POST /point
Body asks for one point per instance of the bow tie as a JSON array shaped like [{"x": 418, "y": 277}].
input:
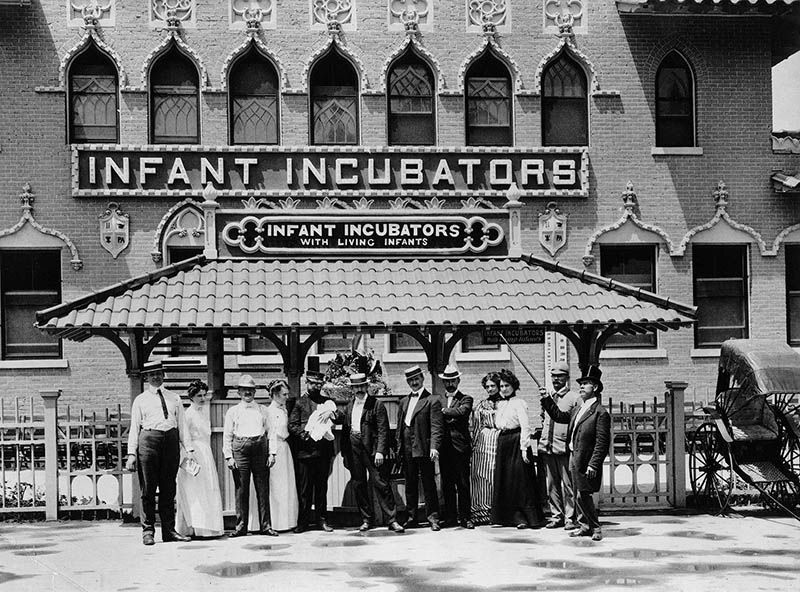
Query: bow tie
[{"x": 250, "y": 405}]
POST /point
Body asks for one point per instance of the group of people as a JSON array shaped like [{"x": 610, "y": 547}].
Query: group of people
[{"x": 486, "y": 455}]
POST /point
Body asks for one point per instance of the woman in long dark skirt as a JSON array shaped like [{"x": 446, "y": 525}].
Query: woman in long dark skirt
[{"x": 514, "y": 502}]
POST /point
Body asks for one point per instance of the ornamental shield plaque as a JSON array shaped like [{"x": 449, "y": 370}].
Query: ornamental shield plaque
[
  {"x": 552, "y": 229},
  {"x": 114, "y": 230}
]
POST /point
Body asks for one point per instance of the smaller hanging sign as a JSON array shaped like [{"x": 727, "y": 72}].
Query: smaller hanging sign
[{"x": 513, "y": 335}]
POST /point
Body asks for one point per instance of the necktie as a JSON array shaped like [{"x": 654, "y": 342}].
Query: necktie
[{"x": 163, "y": 403}]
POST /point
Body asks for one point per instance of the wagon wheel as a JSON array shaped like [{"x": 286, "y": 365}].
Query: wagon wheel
[
  {"x": 780, "y": 495},
  {"x": 789, "y": 444},
  {"x": 710, "y": 469}
]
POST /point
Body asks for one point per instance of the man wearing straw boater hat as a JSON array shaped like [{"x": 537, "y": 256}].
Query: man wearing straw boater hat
[
  {"x": 588, "y": 437},
  {"x": 154, "y": 451},
  {"x": 456, "y": 450},
  {"x": 419, "y": 437},
  {"x": 365, "y": 446},
  {"x": 314, "y": 457},
  {"x": 554, "y": 453},
  {"x": 246, "y": 450}
]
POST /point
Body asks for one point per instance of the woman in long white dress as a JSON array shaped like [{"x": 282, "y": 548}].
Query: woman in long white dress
[
  {"x": 283, "y": 504},
  {"x": 198, "y": 500}
]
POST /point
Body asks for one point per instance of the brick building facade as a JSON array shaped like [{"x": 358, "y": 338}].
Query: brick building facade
[{"x": 728, "y": 248}]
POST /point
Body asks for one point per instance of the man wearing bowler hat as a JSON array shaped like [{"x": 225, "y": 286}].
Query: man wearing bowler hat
[
  {"x": 313, "y": 457},
  {"x": 154, "y": 450},
  {"x": 365, "y": 446},
  {"x": 456, "y": 450},
  {"x": 588, "y": 438},
  {"x": 419, "y": 437},
  {"x": 246, "y": 450},
  {"x": 553, "y": 450}
]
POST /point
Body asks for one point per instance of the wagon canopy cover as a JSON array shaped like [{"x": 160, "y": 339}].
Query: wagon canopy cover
[{"x": 761, "y": 365}]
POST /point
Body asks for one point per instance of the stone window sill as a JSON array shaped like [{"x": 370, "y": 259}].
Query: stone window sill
[
  {"x": 706, "y": 352},
  {"x": 34, "y": 364},
  {"x": 676, "y": 151},
  {"x": 633, "y": 354}
]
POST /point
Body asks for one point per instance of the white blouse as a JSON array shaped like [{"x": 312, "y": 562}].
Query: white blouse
[{"x": 511, "y": 414}]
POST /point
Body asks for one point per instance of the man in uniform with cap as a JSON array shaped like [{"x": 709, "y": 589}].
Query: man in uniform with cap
[
  {"x": 456, "y": 450},
  {"x": 246, "y": 450},
  {"x": 553, "y": 450},
  {"x": 314, "y": 457},
  {"x": 588, "y": 438},
  {"x": 419, "y": 437},
  {"x": 365, "y": 446},
  {"x": 154, "y": 450}
]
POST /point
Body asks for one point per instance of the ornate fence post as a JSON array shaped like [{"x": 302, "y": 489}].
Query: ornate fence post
[
  {"x": 51, "y": 453},
  {"x": 675, "y": 396}
]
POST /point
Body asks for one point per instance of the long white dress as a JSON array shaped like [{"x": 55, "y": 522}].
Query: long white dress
[
  {"x": 283, "y": 504},
  {"x": 198, "y": 500}
]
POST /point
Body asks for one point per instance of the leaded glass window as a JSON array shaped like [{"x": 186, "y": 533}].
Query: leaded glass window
[
  {"x": 174, "y": 100},
  {"x": 93, "y": 102},
  {"x": 253, "y": 100},
  {"x": 411, "y": 115},
  {"x": 488, "y": 86},
  {"x": 334, "y": 101},
  {"x": 565, "y": 105},
  {"x": 674, "y": 102}
]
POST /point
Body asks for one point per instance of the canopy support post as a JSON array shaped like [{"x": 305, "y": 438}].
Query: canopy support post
[
  {"x": 215, "y": 341},
  {"x": 137, "y": 359}
]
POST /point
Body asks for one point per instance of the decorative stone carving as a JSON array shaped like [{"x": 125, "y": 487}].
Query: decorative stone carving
[
  {"x": 475, "y": 203},
  {"x": 565, "y": 16},
  {"x": 405, "y": 203},
  {"x": 332, "y": 203},
  {"x": 567, "y": 43},
  {"x": 629, "y": 216},
  {"x": 26, "y": 200},
  {"x": 90, "y": 35},
  {"x": 261, "y": 203},
  {"x": 435, "y": 203},
  {"x": 341, "y": 47},
  {"x": 341, "y": 13},
  {"x": 289, "y": 203},
  {"x": 488, "y": 12},
  {"x": 115, "y": 230},
  {"x": 363, "y": 203},
  {"x": 410, "y": 15},
  {"x": 416, "y": 45},
  {"x": 552, "y": 229},
  {"x": 91, "y": 13},
  {"x": 252, "y": 14},
  {"x": 158, "y": 237},
  {"x": 172, "y": 14}
]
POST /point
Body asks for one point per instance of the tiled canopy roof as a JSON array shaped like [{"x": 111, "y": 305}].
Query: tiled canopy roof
[
  {"x": 258, "y": 293},
  {"x": 629, "y": 5}
]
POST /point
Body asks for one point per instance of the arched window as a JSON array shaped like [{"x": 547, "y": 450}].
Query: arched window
[
  {"x": 174, "y": 100},
  {"x": 411, "y": 114},
  {"x": 93, "y": 98},
  {"x": 253, "y": 106},
  {"x": 488, "y": 95},
  {"x": 674, "y": 102},
  {"x": 334, "y": 101},
  {"x": 565, "y": 106}
]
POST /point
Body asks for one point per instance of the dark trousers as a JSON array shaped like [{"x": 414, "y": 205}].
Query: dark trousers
[
  {"x": 250, "y": 455},
  {"x": 414, "y": 467},
  {"x": 313, "y": 487},
  {"x": 368, "y": 479},
  {"x": 584, "y": 504},
  {"x": 158, "y": 454},
  {"x": 454, "y": 469}
]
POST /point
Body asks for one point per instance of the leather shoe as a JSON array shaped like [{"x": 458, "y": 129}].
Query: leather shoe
[
  {"x": 269, "y": 532},
  {"x": 411, "y": 523},
  {"x": 468, "y": 524},
  {"x": 147, "y": 539},
  {"x": 364, "y": 526},
  {"x": 300, "y": 528},
  {"x": 171, "y": 536},
  {"x": 435, "y": 527},
  {"x": 395, "y": 526},
  {"x": 570, "y": 526},
  {"x": 597, "y": 535},
  {"x": 522, "y": 526},
  {"x": 554, "y": 524},
  {"x": 581, "y": 532},
  {"x": 324, "y": 526},
  {"x": 237, "y": 533}
]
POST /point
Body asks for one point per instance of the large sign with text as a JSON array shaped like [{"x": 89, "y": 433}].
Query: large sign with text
[
  {"x": 351, "y": 235},
  {"x": 278, "y": 171}
]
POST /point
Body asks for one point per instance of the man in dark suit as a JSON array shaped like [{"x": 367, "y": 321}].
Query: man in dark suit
[
  {"x": 456, "y": 450},
  {"x": 588, "y": 437},
  {"x": 419, "y": 437},
  {"x": 314, "y": 457},
  {"x": 365, "y": 446}
]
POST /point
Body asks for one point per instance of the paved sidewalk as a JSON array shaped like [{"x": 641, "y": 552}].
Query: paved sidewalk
[{"x": 640, "y": 552}]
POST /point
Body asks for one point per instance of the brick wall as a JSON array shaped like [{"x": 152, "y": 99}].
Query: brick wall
[{"x": 731, "y": 57}]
